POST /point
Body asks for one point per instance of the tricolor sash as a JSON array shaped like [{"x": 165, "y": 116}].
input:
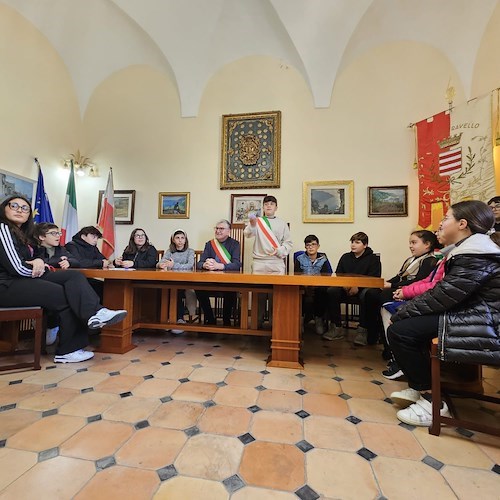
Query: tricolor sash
[
  {"x": 221, "y": 251},
  {"x": 269, "y": 238}
]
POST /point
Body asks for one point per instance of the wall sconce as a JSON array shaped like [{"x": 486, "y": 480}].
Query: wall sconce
[{"x": 83, "y": 165}]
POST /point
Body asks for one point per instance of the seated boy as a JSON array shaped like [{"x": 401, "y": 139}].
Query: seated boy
[
  {"x": 315, "y": 298},
  {"x": 84, "y": 248},
  {"x": 360, "y": 260},
  {"x": 48, "y": 235}
]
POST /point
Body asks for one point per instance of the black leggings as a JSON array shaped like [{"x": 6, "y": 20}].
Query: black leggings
[{"x": 66, "y": 293}]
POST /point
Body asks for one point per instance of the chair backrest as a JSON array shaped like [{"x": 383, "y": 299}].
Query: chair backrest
[
  {"x": 159, "y": 254},
  {"x": 300, "y": 252},
  {"x": 237, "y": 234}
]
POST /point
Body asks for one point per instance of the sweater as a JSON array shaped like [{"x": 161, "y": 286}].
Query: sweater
[
  {"x": 368, "y": 264},
  {"x": 183, "y": 260},
  {"x": 260, "y": 246}
]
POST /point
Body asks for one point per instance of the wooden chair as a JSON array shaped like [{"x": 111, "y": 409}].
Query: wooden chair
[
  {"x": 465, "y": 389},
  {"x": 8, "y": 346}
]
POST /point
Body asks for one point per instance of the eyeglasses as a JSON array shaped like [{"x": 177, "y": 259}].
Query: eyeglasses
[
  {"x": 54, "y": 233},
  {"x": 24, "y": 208},
  {"x": 495, "y": 206},
  {"x": 220, "y": 228},
  {"x": 311, "y": 245},
  {"x": 139, "y": 235}
]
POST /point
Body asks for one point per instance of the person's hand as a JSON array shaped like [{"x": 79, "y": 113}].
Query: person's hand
[
  {"x": 169, "y": 264},
  {"x": 162, "y": 265},
  {"x": 353, "y": 291},
  {"x": 387, "y": 284},
  {"x": 252, "y": 219},
  {"x": 64, "y": 263},
  {"x": 398, "y": 294},
  {"x": 210, "y": 265},
  {"x": 127, "y": 263},
  {"x": 107, "y": 264},
  {"x": 119, "y": 261},
  {"x": 38, "y": 267},
  {"x": 273, "y": 253}
]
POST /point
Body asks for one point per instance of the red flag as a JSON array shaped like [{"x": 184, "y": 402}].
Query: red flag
[{"x": 106, "y": 221}]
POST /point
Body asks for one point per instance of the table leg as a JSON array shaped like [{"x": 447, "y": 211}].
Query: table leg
[{"x": 285, "y": 340}]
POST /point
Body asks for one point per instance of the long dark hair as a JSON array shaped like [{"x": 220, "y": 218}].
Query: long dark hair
[
  {"x": 172, "y": 246},
  {"x": 132, "y": 247},
  {"x": 479, "y": 216},
  {"x": 23, "y": 234}
]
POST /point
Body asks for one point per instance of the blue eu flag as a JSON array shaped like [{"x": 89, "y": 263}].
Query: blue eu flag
[{"x": 42, "y": 212}]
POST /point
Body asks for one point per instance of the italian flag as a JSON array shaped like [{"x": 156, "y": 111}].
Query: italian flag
[
  {"x": 69, "y": 226},
  {"x": 106, "y": 222}
]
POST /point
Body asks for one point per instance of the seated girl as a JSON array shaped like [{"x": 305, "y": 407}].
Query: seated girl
[
  {"x": 179, "y": 257},
  {"x": 25, "y": 280},
  {"x": 462, "y": 311},
  {"x": 139, "y": 253}
]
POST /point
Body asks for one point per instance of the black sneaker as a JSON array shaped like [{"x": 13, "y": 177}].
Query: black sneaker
[{"x": 393, "y": 371}]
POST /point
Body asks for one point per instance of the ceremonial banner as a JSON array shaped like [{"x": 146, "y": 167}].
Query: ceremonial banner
[
  {"x": 471, "y": 131},
  {"x": 42, "y": 212},
  {"x": 106, "y": 222},
  {"x": 69, "y": 226}
]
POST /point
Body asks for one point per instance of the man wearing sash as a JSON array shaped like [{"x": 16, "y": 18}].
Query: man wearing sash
[
  {"x": 272, "y": 244},
  {"x": 220, "y": 254}
]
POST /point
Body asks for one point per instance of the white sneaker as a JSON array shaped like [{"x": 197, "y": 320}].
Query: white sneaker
[
  {"x": 406, "y": 397},
  {"x": 178, "y": 332},
  {"x": 333, "y": 333},
  {"x": 105, "y": 317},
  {"x": 74, "y": 357},
  {"x": 420, "y": 413},
  {"x": 51, "y": 335},
  {"x": 319, "y": 325}
]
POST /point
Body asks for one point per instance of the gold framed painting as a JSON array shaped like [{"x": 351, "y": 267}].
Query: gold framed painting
[
  {"x": 328, "y": 201},
  {"x": 251, "y": 150},
  {"x": 173, "y": 205}
]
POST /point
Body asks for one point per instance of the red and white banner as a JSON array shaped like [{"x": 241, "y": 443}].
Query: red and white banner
[
  {"x": 106, "y": 221},
  {"x": 450, "y": 162}
]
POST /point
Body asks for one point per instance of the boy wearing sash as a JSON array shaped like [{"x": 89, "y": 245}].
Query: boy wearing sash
[
  {"x": 220, "y": 254},
  {"x": 272, "y": 244}
]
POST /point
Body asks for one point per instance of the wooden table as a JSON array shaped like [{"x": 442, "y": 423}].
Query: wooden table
[{"x": 154, "y": 292}]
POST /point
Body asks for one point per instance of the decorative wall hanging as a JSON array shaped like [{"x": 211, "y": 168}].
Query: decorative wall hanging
[
  {"x": 328, "y": 201},
  {"x": 243, "y": 205},
  {"x": 12, "y": 184}
]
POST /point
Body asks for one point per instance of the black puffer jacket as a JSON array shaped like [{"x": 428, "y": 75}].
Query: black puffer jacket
[{"x": 468, "y": 301}]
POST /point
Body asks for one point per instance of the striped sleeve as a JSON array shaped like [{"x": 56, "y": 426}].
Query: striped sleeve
[{"x": 10, "y": 259}]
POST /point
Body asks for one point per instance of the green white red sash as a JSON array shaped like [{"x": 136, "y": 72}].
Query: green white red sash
[
  {"x": 268, "y": 237},
  {"x": 221, "y": 251}
]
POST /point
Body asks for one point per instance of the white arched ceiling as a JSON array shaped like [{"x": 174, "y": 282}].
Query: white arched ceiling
[{"x": 190, "y": 40}]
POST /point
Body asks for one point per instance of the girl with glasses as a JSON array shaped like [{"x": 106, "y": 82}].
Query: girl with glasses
[
  {"x": 53, "y": 254},
  {"x": 139, "y": 253},
  {"x": 25, "y": 280}
]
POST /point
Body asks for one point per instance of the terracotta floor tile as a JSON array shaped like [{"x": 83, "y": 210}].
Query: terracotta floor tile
[
  {"x": 325, "y": 404},
  {"x": 292, "y": 372},
  {"x": 184, "y": 488},
  {"x": 219, "y": 361},
  {"x": 83, "y": 380},
  {"x": 210, "y": 457},
  {"x": 156, "y": 388},
  {"x": 355, "y": 373},
  {"x": 390, "y": 441},
  {"x": 318, "y": 370},
  {"x": 273, "y": 465},
  {"x": 337, "y": 474},
  {"x": 44, "y": 377},
  {"x": 49, "y": 432},
  {"x": 59, "y": 477},
  {"x": 489, "y": 444},
  {"x": 151, "y": 448},
  {"x": 332, "y": 433},
  {"x": 280, "y": 382},
  {"x": 156, "y": 357},
  {"x": 252, "y": 493},
  {"x": 244, "y": 378},
  {"x": 321, "y": 385},
  {"x": 48, "y": 399},
  {"x": 115, "y": 364},
  {"x": 89, "y": 404},
  {"x": 453, "y": 449},
  {"x": 177, "y": 415},
  {"x": 15, "y": 393},
  {"x": 277, "y": 427},
  {"x": 371, "y": 410},
  {"x": 279, "y": 400},
  {"x": 97, "y": 440},
  {"x": 131, "y": 409},
  {"x": 207, "y": 374},
  {"x": 174, "y": 371},
  {"x": 119, "y": 384},
  {"x": 361, "y": 389},
  {"x": 250, "y": 365},
  {"x": 120, "y": 482},
  {"x": 140, "y": 369},
  {"x": 195, "y": 391},
  {"x": 13, "y": 464},
  {"x": 225, "y": 420},
  {"x": 15, "y": 420},
  {"x": 471, "y": 483},
  {"x": 232, "y": 395},
  {"x": 420, "y": 480}
]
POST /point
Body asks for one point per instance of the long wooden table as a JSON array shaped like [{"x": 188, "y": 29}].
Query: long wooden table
[{"x": 153, "y": 294}]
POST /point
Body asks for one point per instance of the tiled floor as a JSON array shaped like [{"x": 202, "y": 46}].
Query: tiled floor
[{"x": 193, "y": 417}]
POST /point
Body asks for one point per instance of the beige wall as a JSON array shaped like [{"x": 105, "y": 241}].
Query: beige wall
[{"x": 133, "y": 124}]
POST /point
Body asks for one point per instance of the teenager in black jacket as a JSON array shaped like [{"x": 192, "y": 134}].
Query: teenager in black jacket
[
  {"x": 462, "y": 310},
  {"x": 139, "y": 254}
]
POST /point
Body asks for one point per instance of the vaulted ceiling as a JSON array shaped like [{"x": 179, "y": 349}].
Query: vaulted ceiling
[{"x": 191, "y": 40}]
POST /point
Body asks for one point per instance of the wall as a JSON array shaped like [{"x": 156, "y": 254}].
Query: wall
[{"x": 133, "y": 124}]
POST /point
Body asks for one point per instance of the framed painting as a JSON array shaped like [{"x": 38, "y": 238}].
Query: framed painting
[
  {"x": 388, "y": 201},
  {"x": 251, "y": 150},
  {"x": 328, "y": 201},
  {"x": 124, "y": 205},
  {"x": 13, "y": 184},
  {"x": 243, "y": 205},
  {"x": 173, "y": 206}
]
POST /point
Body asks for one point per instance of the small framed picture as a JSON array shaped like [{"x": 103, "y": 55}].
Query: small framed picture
[
  {"x": 388, "y": 201},
  {"x": 124, "y": 205},
  {"x": 173, "y": 205},
  {"x": 328, "y": 201},
  {"x": 13, "y": 184},
  {"x": 244, "y": 205}
]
